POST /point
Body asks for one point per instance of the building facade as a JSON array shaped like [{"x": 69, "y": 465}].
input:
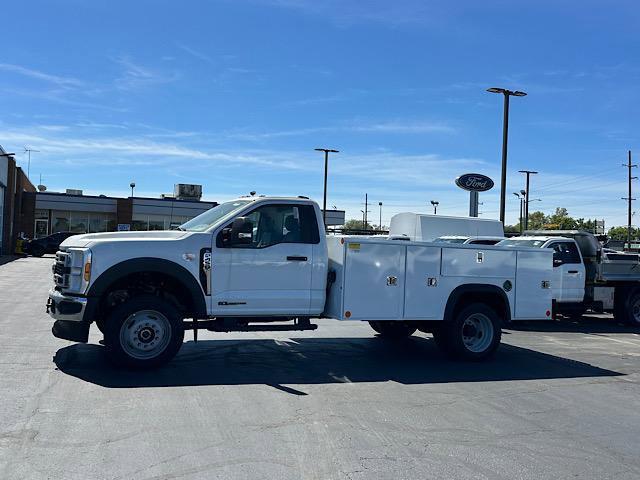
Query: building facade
[
  {"x": 14, "y": 186},
  {"x": 51, "y": 212}
]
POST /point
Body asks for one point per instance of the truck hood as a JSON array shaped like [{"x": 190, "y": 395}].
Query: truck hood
[{"x": 90, "y": 238}]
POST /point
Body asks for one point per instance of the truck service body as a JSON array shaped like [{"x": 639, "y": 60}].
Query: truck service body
[{"x": 265, "y": 263}]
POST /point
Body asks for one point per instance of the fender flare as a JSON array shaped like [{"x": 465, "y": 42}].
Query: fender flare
[
  {"x": 476, "y": 288},
  {"x": 150, "y": 264}
]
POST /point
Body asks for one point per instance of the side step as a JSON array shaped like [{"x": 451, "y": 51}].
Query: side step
[{"x": 238, "y": 325}]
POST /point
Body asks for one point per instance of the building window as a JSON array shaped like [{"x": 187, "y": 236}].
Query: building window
[{"x": 59, "y": 221}]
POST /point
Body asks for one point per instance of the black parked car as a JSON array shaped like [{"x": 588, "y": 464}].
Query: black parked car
[{"x": 49, "y": 244}]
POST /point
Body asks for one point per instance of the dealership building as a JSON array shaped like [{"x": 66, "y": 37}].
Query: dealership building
[
  {"x": 72, "y": 211},
  {"x": 14, "y": 186}
]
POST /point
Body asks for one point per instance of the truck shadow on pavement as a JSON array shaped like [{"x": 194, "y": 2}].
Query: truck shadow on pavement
[
  {"x": 586, "y": 324},
  {"x": 318, "y": 361}
]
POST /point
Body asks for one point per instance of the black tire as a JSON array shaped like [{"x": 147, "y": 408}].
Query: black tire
[
  {"x": 628, "y": 309},
  {"x": 36, "y": 251},
  {"x": 466, "y": 336},
  {"x": 393, "y": 329},
  {"x": 157, "y": 338}
]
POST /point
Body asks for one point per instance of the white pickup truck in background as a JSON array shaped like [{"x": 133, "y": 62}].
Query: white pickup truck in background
[
  {"x": 587, "y": 277},
  {"x": 265, "y": 263}
]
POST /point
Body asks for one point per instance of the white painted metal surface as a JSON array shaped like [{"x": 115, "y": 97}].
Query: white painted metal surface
[
  {"x": 532, "y": 296},
  {"x": 426, "y": 228},
  {"x": 426, "y": 275}
]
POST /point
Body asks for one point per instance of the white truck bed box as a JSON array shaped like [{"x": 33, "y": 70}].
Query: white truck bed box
[
  {"x": 380, "y": 279},
  {"x": 426, "y": 228}
]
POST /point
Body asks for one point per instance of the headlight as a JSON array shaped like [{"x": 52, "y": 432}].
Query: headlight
[{"x": 79, "y": 269}]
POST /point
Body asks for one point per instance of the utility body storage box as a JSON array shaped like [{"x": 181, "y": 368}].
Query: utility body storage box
[{"x": 382, "y": 279}]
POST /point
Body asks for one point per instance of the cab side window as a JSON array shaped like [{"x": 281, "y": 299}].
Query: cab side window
[
  {"x": 274, "y": 224},
  {"x": 566, "y": 252}
]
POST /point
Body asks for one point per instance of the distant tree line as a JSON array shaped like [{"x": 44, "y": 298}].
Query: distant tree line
[{"x": 560, "y": 220}]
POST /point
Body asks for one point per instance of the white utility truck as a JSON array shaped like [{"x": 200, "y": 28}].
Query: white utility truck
[
  {"x": 587, "y": 277},
  {"x": 265, "y": 264}
]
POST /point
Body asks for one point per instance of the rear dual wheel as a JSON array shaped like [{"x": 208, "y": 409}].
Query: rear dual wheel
[{"x": 473, "y": 334}]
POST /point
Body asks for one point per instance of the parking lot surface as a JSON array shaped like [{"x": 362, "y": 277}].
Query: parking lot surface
[{"x": 559, "y": 400}]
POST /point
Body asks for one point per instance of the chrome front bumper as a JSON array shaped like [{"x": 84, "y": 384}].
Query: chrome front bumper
[{"x": 65, "y": 307}]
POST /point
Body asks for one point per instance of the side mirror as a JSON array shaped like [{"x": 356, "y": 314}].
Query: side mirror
[
  {"x": 557, "y": 262},
  {"x": 240, "y": 233}
]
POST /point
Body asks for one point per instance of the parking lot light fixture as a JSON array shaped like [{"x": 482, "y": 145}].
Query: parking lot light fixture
[
  {"x": 326, "y": 167},
  {"x": 505, "y": 131}
]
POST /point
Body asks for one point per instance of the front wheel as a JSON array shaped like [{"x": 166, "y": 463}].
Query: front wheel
[
  {"x": 473, "y": 334},
  {"x": 144, "y": 332},
  {"x": 393, "y": 329}
]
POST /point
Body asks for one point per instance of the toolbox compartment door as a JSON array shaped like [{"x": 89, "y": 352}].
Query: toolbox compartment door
[{"x": 374, "y": 280}]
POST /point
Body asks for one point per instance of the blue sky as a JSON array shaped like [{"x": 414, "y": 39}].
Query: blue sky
[{"x": 235, "y": 95}]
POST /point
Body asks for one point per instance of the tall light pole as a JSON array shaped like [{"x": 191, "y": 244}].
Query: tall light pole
[
  {"x": 526, "y": 206},
  {"x": 519, "y": 198},
  {"x": 435, "y": 206},
  {"x": 326, "y": 168},
  {"x": 380, "y": 220},
  {"x": 505, "y": 132},
  {"x": 132, "y": 185}
]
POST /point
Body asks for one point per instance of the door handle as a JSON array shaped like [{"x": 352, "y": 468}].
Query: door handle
[
  {"x": 572, "y": 271},
  {"x": 294, "y": 258}
]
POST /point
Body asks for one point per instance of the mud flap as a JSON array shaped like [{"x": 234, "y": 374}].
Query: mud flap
[{"x": 74, "y": 331}]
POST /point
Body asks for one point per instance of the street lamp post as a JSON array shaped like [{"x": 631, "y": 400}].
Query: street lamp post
[
  {"x": 326, "y": 167},
  {"x": 380, "y": 220},
  {"x": 435, "y": 206},
  {"x": 505, "y": 131}
]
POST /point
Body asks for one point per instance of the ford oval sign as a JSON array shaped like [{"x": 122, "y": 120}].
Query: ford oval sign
[{"x": 474, "y": 182}]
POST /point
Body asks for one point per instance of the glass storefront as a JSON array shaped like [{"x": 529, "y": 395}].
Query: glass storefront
[
  {"x": 82, "y": 222},
  {"x": 157, "y": 222}
]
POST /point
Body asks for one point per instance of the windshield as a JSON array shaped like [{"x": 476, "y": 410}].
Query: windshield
[
  {"x": 450, "y": 240},
  {"x": 512, "y": 242},
  {"x": 205, "y": 220}
]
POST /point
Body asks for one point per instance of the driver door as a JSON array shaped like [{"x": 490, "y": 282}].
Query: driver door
[{"x": 269, "y": 273}]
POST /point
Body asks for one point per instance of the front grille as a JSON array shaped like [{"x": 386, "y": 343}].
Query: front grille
[{"x": 61, "y": 270}]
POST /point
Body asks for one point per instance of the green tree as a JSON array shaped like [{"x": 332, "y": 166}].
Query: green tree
[
  {"x": 537, "y": 221},
  {"x": 354, "y": 224},
  {"x": 561, "y": 220},
  {"x": 620, "y": 233}
]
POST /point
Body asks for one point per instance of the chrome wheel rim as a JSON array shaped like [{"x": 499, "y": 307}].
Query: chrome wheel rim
[
  {"x": 477, "y": 332},
  {"x": 145, "y": 334}
]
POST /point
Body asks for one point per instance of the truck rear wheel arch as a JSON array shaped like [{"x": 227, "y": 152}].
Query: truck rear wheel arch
[
  {"x": 184, "y": 287},
  {"x": 490, "y": 295}
]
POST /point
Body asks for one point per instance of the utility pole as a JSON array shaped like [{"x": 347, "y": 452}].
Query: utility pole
[
  {"x": 629, "y": 198},
  {"x": 326, "y": 167},
  {"x": 366, "y": 205},
  {"x": 519, "y": 198},
  {"x": 528, "y": 193},
  {"x": 28, "y": 151}
]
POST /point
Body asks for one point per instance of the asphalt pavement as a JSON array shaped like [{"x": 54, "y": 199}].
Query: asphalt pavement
[{"x": 559, "y": 400}]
